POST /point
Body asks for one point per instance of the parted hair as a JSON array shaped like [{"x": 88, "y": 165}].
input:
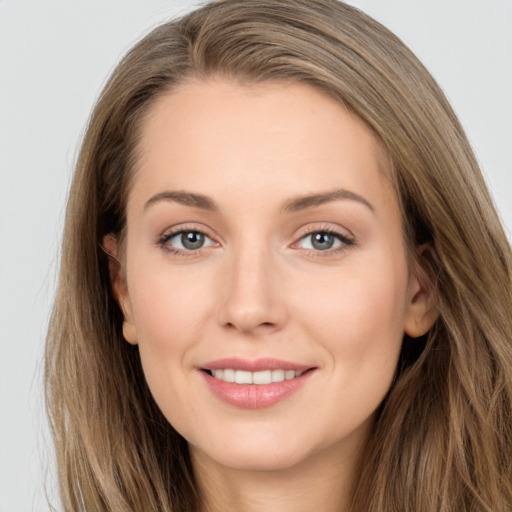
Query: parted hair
[{"x": 442, "y": 439}]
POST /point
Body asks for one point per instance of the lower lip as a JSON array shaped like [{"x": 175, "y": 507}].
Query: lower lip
[{"x": 254, "y": 396}]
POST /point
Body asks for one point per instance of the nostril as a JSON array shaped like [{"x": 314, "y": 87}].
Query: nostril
[{"x": 248, "y": 327}]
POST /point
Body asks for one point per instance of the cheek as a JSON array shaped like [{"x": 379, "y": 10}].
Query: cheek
[
  {"x": 358, "y": 324},
  {"x": 168, "y": 306},
  {"x": 168, "y": 310},
  {"x": 359, "y": 315}
]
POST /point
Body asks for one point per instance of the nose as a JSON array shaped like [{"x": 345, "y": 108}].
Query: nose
[{"x": 252, "y": 296}]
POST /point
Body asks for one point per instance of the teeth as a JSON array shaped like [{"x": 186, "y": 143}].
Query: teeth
[
  {"x": 264, "y": 377},
  {"x": 261, "y": 377},
  {"x": 229, "y": 375},
  {"x": 277, "y": 375},
  {"x": 242, "y": 377}
]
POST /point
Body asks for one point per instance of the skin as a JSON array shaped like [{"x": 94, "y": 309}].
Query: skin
[{"x": 259, "y": 288}]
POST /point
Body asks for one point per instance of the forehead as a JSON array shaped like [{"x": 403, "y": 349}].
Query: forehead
[{"x": 215, "y": 136}]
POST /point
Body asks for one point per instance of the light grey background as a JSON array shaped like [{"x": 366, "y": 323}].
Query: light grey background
[{"x": 54, "y": 58}]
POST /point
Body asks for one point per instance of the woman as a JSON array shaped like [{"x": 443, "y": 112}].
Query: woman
[{"x": 283, "y": 282}]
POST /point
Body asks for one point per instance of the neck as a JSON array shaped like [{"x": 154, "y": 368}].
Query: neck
[{"x": 323, "y": 482}]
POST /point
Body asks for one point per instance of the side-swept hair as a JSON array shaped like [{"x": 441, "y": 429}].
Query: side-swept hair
[{"x": 442, "y": 439}]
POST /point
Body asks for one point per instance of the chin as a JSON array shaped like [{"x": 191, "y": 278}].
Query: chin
[{"x": 266, "y": 455}]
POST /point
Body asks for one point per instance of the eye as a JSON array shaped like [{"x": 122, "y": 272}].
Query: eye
[
  {"x": 186, "y": 240},
  {"x": 324, "y": 241}
]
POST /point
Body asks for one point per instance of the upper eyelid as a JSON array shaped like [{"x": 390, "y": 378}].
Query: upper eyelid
[
  {"x": 180, "y": 228},
  {"x": 337, "y": 231}
]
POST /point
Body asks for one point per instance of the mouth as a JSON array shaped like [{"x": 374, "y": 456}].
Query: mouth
[{"x": 255, "y": 384}]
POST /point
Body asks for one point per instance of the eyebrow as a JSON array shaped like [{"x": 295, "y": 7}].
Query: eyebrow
[
  {"x": 292, "y": 205},
  {"x": 312, "y": 200},
  {"x": 184, "y": 198}
]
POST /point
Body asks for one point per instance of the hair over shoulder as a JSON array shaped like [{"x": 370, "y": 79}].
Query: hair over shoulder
[{"x": 442, "y": 438}]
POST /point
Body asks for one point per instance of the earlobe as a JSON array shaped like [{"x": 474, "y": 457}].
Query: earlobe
[
  {"x": 119, "y": 287},
  {"x": 422, "y": 310}
]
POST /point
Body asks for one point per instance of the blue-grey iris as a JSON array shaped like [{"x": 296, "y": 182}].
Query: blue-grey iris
[
  {"x": 192, "y": 240},
  {"x": 322, "y": 241}
]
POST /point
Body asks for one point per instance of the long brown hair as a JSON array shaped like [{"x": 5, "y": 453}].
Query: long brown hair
[{"x": 442, "y": 439}]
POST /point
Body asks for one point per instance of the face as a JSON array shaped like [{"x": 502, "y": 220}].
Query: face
[{"x": 266, "y": 280}]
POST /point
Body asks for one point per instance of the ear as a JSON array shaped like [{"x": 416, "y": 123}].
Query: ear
[
  {"x": 119, "y": 287},
  {"x": 421, "y": 311}
]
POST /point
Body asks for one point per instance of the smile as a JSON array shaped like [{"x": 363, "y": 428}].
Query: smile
[
  {"x": 258, "y": 378},
  {"x": 255, "y": 384}
]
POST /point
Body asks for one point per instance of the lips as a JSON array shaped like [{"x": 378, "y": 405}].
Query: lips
[{"x": 254, "y": 384}]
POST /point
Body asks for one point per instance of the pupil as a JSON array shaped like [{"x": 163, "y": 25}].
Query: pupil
[
  {"x": 192, "y": 240},
  {"x": 322, "y": 241}
]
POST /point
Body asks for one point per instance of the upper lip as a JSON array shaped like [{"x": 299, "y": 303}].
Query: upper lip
[{"x": 256, "y": 365}]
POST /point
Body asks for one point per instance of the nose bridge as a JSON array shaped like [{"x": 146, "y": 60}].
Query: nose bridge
[{"x": 250, "y": 286}]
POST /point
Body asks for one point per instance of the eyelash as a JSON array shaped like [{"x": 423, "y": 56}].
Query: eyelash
[
  {"x": 163, "y": 242},
  {"x": 346, "y": 242}
]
